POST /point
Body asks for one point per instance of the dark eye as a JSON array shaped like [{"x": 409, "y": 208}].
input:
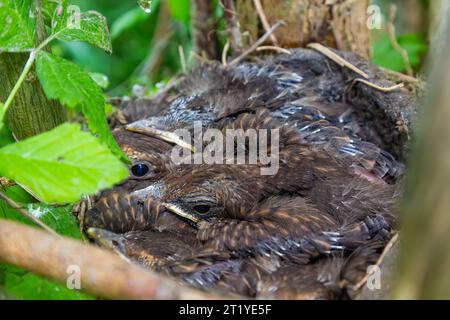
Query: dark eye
[
  {"x": 140, "y": 169},
  {"x": 202, "y": 208}
]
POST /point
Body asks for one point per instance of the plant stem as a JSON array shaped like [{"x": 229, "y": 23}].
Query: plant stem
[
  {"x": 23, "y": 76},
  {"x": 19, "y": 82}
]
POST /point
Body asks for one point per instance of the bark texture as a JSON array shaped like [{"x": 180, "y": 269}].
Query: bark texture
[
  {"x": 425, "y": 247},
  {"x": 340, "y": 24},
  {"x": 31, "y": 112}
]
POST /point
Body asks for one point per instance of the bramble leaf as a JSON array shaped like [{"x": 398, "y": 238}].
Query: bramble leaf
[
  {"x": 18, "y": 24},
  {"x": 65, "y": 81},
  {"x": 61, "y": 165},
  {"x": 22, "y": 284},
  {"x": 70, "y": 24},
  {"x": 6, "y": 136}
]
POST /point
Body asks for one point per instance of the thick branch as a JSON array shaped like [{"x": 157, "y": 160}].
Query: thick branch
[
  {"x": 425, "y": 251},
  {"x": 102, "y": 273}
]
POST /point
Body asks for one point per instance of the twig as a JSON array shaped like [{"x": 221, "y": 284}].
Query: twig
[
  {"x": 256, "y": 44},
  {"x": 10, "y": 202},
  {"x": 233, "y": 24},
  {"x": 202, "y": 23},
  {"x": 375, "y": 86},
  {"x": 380, "y": 260},
  {"x": 102, "y": 273},
  {"x": 399, "y": 75},
  {"x": 273, "y": 48},
  {"x": 264, "y": 21},
  {"x": 336, "y": 58},
  {"x": 182, "y": 59},
  {"x": 393, "y": 38},
  {"x": 225, "y": 52}
]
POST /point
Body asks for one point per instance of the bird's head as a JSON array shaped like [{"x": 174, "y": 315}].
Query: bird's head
[
  {"x": 150, "y": 159},
  {"x": 195, "y": 208},
  {"x": 205, "y": 192}
]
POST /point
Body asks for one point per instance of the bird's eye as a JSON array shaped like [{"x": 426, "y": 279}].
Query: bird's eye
[
  {"x": 202, "y": 208},
  {"x": 140, "y": 169}
]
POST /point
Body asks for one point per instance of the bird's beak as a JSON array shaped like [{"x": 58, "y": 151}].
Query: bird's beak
[
  {"x": 154, "y": 190},
  {"x": 108, "y": 240},
  {"x": 180, "y": 212},
  {"x": 145, "y": 127}
]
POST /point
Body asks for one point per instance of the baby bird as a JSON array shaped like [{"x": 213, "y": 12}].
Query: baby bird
[{"x": 288, "y": 234}]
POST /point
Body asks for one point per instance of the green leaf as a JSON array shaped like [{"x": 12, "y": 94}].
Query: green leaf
[
  {"x": 110, "y": 109},
  {"x": 386, "y": 56},
  {"x": 59, "y": 218},
  {"x": 48, "y": 8},
  {"x": 180, "y": 10},
  {"x": 25, "y": 285},
  {"x": 69, "y": 24},
  {"x": 65, "y": 81},
  {"x": 6, "y": 136},
  {"x": 61, "y": 165},
  {"x": 19, "y": 195},
  {"x": 18, "y": 24}
]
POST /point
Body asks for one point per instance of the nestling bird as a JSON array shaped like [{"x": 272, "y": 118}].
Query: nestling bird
[
  {"x": 298, "y": 90},
  {"x": 240, "y": 214},
  {"x": 229, "y": 227}
]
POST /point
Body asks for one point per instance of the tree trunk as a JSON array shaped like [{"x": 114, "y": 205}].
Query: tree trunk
[
  {"x": 435, "y": 9},
  {"x": 340, "y": 24},
  {"x": 31, "y": 112},
  {"x": 425, "y": 249}
]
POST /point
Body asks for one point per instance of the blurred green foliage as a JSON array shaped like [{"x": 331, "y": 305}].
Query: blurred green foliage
[
  {"x": 412, "y": 30},
  {"x": 134, "y": 38},
  {"x": 386, "y": 56}
]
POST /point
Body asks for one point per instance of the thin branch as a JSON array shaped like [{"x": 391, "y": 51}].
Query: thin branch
[
  {"x": 393, "y": 38},
  {"x": 336, "y": 58},
  {"x": 102, "y": 273},
  {"x": 225, "y": 52},
  {"x": 403, "y": 77},
  {"x": 10, "y": 202},
  {"x": 375, "y": 86},
  {"x": 233, "y": 24},
  {"x": 264, "y": 20},
  {"x": 258, "y": 42},
  {"x": 273, "y": 48},
  {"x": 380, "y": 260},
  {"x": 182, "y": 59}
]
